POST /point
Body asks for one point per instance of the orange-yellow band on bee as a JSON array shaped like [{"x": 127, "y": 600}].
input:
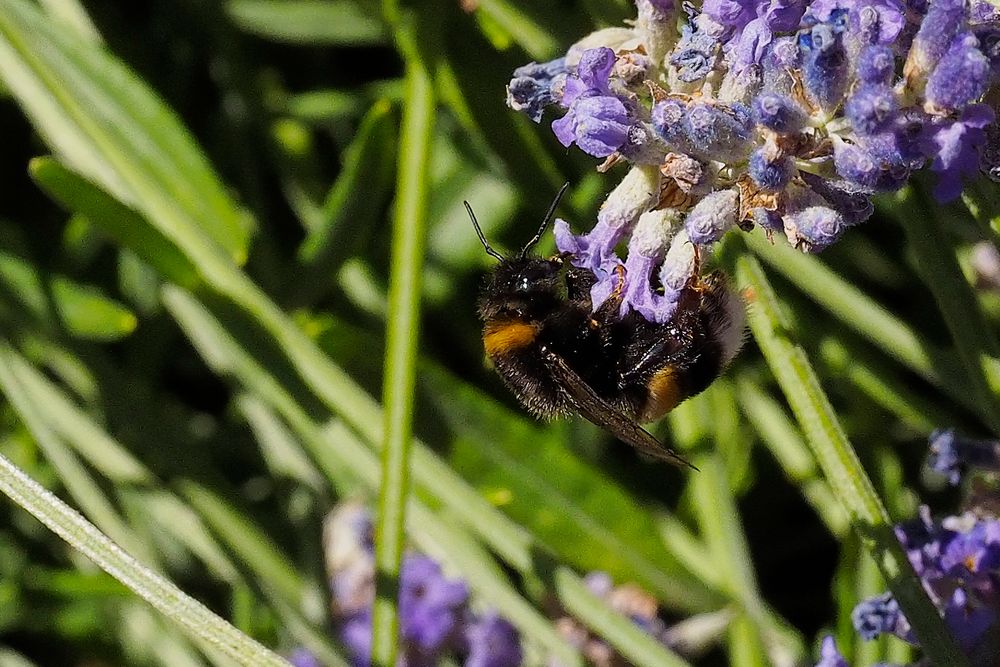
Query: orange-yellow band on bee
[
  {"x": 507, "y": 335},
  {"x": 664, "y": 394}
]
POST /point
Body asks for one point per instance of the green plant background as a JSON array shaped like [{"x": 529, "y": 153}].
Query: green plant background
[{"x": 211, "y": 214}]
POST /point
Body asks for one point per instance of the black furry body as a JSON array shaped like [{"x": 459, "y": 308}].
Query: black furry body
[{"x": 559, "y": 357}]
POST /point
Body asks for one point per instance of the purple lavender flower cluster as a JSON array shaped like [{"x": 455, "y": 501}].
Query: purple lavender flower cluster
[
  {"x": 957, "y": 558},
  {"x": 788, "y": 114},
  {"x": 436, "y": 617},
  {"x": 629, "y": 600}
]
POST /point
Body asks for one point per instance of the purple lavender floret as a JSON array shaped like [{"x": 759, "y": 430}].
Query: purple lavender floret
[
  {"x": 829, "y": 656},
  {"x": 493, "y": 642},
  {"x": 718, "y": 132},
  {"x": 531, "y": 89},
  {"x": 876, "y": 65},
  {"x": 954, "y": 147},
  {"x": 825, "y": 69},
  {"x": 778, "y": 113},
  {"x": 434, "y": 613},
  {"x": 871, "y": 108},
  {"x": 799, "y": 111},
  {"x": 961, "y": 77},
  {"x": 697, "y": 51},
  {"x": 597, "y": 120},
  {"x": 880, "y": 615},
  {"x": 950, "y": 454}
]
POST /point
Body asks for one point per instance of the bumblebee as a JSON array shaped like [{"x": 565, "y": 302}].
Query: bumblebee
[{"x": 559, "y": 356}]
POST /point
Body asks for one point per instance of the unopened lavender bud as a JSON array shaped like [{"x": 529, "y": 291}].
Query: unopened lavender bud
[
  {"x": 653, "y": 232},
  {"x": 814, "y": 228},
  {"x": 718, "y": 132},
  {"x": 770, "y": 169},
  {"x": 944, "y": 19},
  {"x": 880, "y": 615},
  {"x": 668, "y": 117},
  {"x": 766, "y": 219},
  {"x": 852, "y": 202},
  {"x": 825, "y": 70},
  {"x": 961, "y": 78},
  {"x": 712, "y": 217},
  {"x": 871, "y": 109},
  {"x": 679, "y": 265},
  {"x": 778, "y": 113},
  {"x": 876, "y": 64}
]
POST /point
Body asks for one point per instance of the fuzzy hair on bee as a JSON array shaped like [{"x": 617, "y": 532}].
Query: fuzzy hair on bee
[{"x": 560, "y": 356}]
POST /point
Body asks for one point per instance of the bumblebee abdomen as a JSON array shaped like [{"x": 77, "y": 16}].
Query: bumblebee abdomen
[
  {"x": 502, "y": 337},
  {"x": 516, "y": 350}
]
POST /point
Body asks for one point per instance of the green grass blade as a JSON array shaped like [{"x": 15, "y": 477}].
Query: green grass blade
[
  {"x": 108, "y": 125},
  {"x": 76, "y": 193},
  {"x": 535, "y": 39},
  {"x": 337, "y": 451},
  {"x": 937, "y": 264},
  {"x": 784, "y": 440},
  {"x": 71, "y": 472},
  {"x": 719, "y": 519},
  {"x": 330, "y": 22},
  {"x": 625, "y": 636},
  {"x": 82, "y": 311},
  {"x": 860, "y": 312},
  {"x": 837, "y": 458},
  {"x": 402, "y": 336},
  {"x": 271, "y": 567},
  {"x": 354, "y": 204},
  {"x": 187, "y": 612}
]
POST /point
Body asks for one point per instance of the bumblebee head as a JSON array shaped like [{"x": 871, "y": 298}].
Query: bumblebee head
[{"x": 521, "y": 286}]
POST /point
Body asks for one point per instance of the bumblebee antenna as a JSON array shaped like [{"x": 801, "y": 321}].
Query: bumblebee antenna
[
  {"x": 545, "y": 220},
  {"x": 482, "y": 237}
]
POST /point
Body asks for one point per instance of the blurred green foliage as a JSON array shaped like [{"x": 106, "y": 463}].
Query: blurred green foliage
[{"x": 195, "y": 233}]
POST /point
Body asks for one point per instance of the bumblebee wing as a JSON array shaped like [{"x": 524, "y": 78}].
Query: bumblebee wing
[{"x": 605, "y": 415}]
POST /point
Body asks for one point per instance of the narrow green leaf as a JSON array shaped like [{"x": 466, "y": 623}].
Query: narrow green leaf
[
  {"x": 329, "y": 22},
  {"x": 354, "y": 204},
  {"x": 108, "y": 125},
  {"x": 784, "y": 440},
  {"x": 532, "y": 37},
  {"x": 73, "y": 425},
  {"x": 252, "y": 546},
  {"x": 402, "y": 335},
  {"x": 187, "y": 612},
  {"x": 722, "y": 531},
  {"x": 73, "y": 14},
  {"x": 77, "y": 480},
  {"x": 284, "y": 456},
  {"x": 860, "y": 312},
  {"x": 883, "y": 385},
  {"x": 638, "y": 647},
  {"x": 937, "y": 264},
  {"x": 127, "y": 227},
  {"x": 836, "y": 457},
  {"x": 82, "y": 310}
]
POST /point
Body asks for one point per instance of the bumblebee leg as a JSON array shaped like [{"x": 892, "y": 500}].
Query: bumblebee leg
[{"x": 609, "y": 308}]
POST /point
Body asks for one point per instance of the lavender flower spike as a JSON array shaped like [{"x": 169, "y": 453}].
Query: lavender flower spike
[
  {"x": 950, "y": 454},
  {"x": 789, "y": 114},
  {"x": 712, "y": 217},
  {"x": 829, "y": 655}
]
